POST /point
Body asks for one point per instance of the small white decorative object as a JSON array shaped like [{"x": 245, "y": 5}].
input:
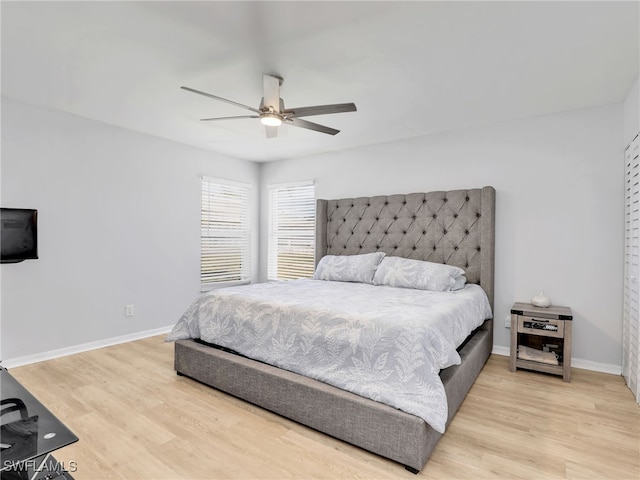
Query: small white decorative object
[{"x": 541, "y": 300}]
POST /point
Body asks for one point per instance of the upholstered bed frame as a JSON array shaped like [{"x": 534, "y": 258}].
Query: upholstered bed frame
[{"x": 454, "y": 227}]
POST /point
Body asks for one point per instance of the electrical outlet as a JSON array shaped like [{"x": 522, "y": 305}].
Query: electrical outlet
[
  {"x": 128, "y": 310},
  {"x": 507, "y": 321}
]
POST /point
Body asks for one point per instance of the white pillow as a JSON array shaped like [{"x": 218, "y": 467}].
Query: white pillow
[
  {"x": 418, "y": 274},
  {"x": 348, "y": 268},
  {"x": 459, "y": 284}
]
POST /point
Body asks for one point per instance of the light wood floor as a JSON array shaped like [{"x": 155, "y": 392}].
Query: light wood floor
[{"x": 137, "y": 419}]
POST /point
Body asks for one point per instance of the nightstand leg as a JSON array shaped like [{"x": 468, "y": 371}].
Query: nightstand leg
[
  {"x": 566, "y": 353},
  {"x": 513, "y": 352}
]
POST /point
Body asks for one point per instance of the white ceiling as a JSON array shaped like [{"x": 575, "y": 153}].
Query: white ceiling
[{"x": 412, "y": 68}]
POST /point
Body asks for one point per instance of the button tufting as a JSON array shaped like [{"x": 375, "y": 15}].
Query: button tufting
[
  {"x": 455, "y": 248},
  {"x": 434, "y": 215},
  {"x": 478, "y": 248},
  {"x": 404, "y": 232},
  {"x": 434, "y": 248},
  {"x": 424, "y": 232},
  {"x": 395, "y": 218},
  {"x": 466, "y": 265},
  {"x": 377, "y": 247},
  {"x": 478, "y": 215},
  {"x": 386, "y": 203},
  {"x": 445, "y": 199},
  {"x": 424, "y": 200},
  {"x": 466, "y": 199},
  {"x": 445, "y": 232},
  {"x": 386, "y": 232},
  {"x": 455, "y": 215},
  {"x": 415, "y": 248},
  {"x": 414, "y": 217},
  {"x": 466, "y": 232}
]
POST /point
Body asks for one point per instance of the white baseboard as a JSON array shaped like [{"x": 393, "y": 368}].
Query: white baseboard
[
  {"x": 596, "y": 366},
  {"x": 575, "y": 362},
  {"x": 84, "y": 347},
  {"x": 500, "y": 350}
]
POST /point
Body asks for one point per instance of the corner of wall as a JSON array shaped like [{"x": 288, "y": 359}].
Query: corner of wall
[{"x": 632, "y": 112}]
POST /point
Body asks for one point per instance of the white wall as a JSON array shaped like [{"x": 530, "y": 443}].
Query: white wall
[
  {"x": 119, "y": 212},
  {"x": 559, "y": 219},
  {"x": 632, "y": 113},
  {"x": 119, "y": 215}
]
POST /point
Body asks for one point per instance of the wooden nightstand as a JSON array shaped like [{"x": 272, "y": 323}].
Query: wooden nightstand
[{"x": 545, "y": 334}]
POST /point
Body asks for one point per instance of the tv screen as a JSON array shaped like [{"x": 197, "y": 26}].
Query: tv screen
[{"x": 18, "y": 234}]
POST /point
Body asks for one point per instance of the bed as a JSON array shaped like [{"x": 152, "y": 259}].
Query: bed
[{"x": 455, "y": 228}]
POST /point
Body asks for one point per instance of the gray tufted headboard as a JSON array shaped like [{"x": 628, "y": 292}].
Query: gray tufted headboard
[{"x": 455, "y": 227}]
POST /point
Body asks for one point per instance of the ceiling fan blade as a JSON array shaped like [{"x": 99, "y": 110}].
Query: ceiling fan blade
[
  {"x": 321, "y": 109},
  {"x": 311, "y": 126},
  {"x": 228, "y": 118},
  {"x": 271, "y": 87},
  {"x": 272, "y": 132},
  {"x": 215, "y": 97}
]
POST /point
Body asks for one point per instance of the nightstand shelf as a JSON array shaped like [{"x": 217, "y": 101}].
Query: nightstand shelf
[{"x": 541, "y": 339}]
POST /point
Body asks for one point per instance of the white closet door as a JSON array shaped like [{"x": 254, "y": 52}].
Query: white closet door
[{"x": 630, "y": 344}]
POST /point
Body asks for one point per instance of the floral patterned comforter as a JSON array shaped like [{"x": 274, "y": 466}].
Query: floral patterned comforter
[{"x": 384, "y": 343}]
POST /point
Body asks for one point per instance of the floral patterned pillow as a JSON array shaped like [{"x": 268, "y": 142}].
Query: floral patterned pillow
[
  {"x": 418, "y": 274},
  {"x": 348, "y": 268}
]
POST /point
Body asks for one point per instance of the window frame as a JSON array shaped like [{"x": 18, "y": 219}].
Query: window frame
[
  {"x": 235, "y": 211},
  {"x": 300, "y": 239}
]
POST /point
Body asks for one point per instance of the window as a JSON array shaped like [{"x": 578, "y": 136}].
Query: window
[
  {"x": 225, "y": 236},
  {"x": 291, "y": 246}
]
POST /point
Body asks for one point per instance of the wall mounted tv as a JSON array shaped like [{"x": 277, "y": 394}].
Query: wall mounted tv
[{"x": 18, "y": 234}]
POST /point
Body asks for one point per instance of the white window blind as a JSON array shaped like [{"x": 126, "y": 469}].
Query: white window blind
[
  {"x": 225, "y": 234},
  {"x": 291, "y": 243},
  {"x": 631, "y": 320}
]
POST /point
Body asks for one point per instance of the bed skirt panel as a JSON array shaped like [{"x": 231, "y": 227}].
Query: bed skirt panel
[
  {"x": 376, "y": 427},
  {"x": 458, "y": 379},
  {"x": 371, "y": 425}
]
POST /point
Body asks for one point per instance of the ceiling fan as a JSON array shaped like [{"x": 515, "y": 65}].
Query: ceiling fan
[{"x": 272, "y": 113}]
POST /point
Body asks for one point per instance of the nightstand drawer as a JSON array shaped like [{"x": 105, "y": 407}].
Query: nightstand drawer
[{"x": 541, "y": 326}]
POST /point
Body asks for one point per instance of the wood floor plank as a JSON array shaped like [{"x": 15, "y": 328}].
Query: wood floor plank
[{"x": 137, "y": 419}]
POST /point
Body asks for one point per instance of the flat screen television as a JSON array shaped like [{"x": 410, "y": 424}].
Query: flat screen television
[{"x": 18, "y": 234}]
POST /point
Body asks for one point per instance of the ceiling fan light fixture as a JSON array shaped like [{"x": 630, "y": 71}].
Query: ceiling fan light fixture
[
  {"x": 271, "y": 119},
  {"x": 272, "y": 113}
]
